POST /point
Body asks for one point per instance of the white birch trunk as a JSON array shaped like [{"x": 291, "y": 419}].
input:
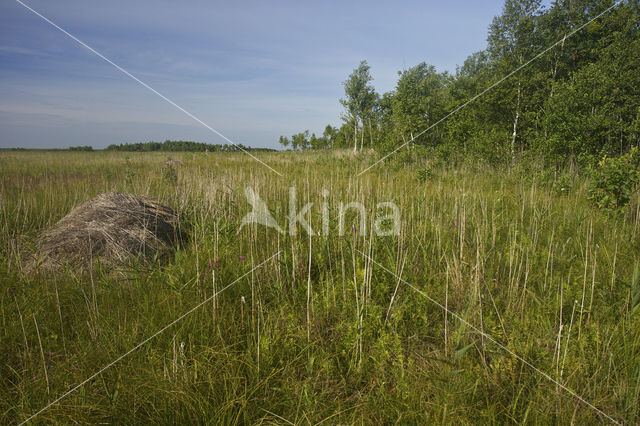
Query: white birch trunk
[
  {"x": 355, "y": 134},
  {"x": 515, "y": 126}
]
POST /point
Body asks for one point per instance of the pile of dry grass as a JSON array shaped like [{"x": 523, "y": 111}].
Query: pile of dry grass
[
  {"x": 113, "y": 228},
  {"x": 170, "y": 162}
]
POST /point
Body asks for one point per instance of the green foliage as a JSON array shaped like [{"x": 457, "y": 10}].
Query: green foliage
[
  {"x": 419, "y": 100},
  {"x": 360, "y": 101},
  {"x": 321, "y": 335},
  {"x": 129, "y": 173},
  {"x": 581, "y": 98},
  {"x": 614, "y": 180},
  {"x": 563, "y": 184},
  {"x": 503, "y": 252},
  {"x": 303, "y": 140},
  {"x": 425, "y": 174},
  {"x": 635, "y": 289}
]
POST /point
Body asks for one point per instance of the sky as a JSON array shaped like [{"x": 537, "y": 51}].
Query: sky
[{"x": 252, "y": 70}]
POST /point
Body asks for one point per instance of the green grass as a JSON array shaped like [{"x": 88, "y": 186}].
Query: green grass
[{"x": 539, "y": 269}]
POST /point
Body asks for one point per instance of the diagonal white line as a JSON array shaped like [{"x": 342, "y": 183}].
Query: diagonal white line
[
  {"x": 139, "y": 345},
  {"x": 512, "y": 73},
  {"x": 128, "y": 74},
  {"x": 477, "y": 330}
]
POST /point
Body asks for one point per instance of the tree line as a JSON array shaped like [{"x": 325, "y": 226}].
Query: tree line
[
  {"x": 580, "y": 98},
  {"x": 180, "y": 146}
]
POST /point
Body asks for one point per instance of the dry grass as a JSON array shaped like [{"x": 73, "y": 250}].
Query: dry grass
[{"x": 113, "y": 228}]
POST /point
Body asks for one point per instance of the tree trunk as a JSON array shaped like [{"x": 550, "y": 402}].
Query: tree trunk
[
  {"x": 555, "y": 67},
  {"x": 515, "y": 126},
  {"x": 355, "y": 134}
]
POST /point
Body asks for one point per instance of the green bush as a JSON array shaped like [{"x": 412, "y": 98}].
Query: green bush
[
  {"x": 424, "y": 174},
  {"x": 563, "y": 184},
  {"x": 613, "y": 180}
]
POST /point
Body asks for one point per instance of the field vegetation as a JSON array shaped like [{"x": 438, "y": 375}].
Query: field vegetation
[
  {"x": 509, "y": 294},
  {"x": 319, "y": 329}
]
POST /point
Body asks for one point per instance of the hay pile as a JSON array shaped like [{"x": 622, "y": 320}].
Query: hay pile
[
  {"x": 170, "y": 162},
  {"x": 113, "y": 228}
]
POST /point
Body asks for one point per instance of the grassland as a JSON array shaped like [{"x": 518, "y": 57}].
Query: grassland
[{"x": 321, "y": 332}]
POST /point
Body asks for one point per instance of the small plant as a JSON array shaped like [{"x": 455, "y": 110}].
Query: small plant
[
  {"x": 613, "y": 180},
  {"x": 129, "y": 173},
  {"x": 424, "y": 174},
  {"x": 635, "y": 289},
  {"x": 170, "y": 175},
  {"x": 562, "y": 185}
]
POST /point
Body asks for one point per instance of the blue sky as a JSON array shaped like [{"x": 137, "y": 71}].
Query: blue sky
[{"x": 252, "y": 70}]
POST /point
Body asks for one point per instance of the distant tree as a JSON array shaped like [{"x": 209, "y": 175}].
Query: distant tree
[
  {"x": 581, "y": 97},
  {"x": 284, "y": 141},
  {"x": 300, "y": 140},
  {"x": 419, "y": 100},
  {"x": 330, "y": 134},
  {"x": 315, "y": 142},
  {"x": 359, "y": 100},
  {"x": 511, "y": 42},
  {"x": 178, "y": 146}
]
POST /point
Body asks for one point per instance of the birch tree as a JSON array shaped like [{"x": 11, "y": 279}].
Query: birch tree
[
  {"x": 511, "y": 42},
  {"x": 359, "y": 100}
]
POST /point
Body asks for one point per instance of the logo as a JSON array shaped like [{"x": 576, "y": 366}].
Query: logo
[{"x": 386, "y": 223}]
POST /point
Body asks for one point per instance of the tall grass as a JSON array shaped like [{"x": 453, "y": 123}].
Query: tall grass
[{"x": 322, "y": 334}]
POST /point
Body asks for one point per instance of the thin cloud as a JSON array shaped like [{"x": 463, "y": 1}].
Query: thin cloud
[{"x": 268, "y": 68}]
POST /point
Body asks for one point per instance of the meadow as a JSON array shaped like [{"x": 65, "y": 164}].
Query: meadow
[{"x": 326, "y": 328}]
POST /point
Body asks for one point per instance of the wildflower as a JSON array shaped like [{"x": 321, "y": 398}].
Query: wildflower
[
  {"x": 217, "y": 264},
  {"x": 241, "y": 257}
]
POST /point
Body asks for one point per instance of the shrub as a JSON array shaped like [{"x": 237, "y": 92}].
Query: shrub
[
  {"x": 424, "y": 174},
  {"x": 563, "y": 184},
  {"x": 613, "y": 180}
]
